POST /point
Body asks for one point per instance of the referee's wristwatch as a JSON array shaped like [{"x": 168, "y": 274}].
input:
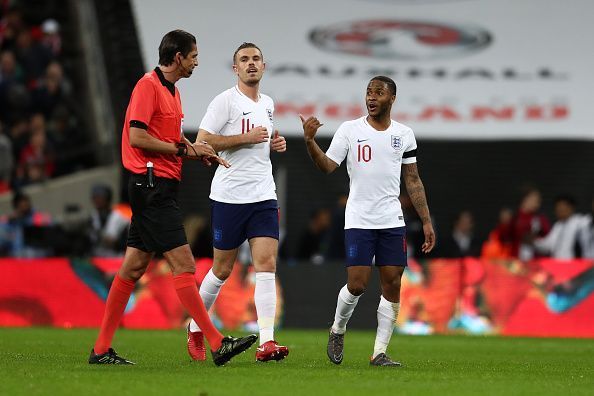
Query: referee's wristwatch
[{"x": 182, "y": 149}]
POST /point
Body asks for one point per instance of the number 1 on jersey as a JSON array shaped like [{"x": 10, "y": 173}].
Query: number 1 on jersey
[
  {"x": 245, "y": 125},
  {"x": 363, "y": 153}
]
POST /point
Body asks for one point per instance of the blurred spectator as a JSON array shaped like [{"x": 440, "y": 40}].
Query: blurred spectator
[
  {"x": 335, "y": 243},
  {"x": 14, "y": 228},
  {"x": 19, "y": 135},
  {"x": 461, "y": 242},
  {"x": 587, "y": 234},
  {"x": 6, "y": 161},
  {"x": 32, "y": 56},
  {"x": 562, "y": 242},
  {"x": 528, "y": 224},
  {"x": 36, "y": 161},
  {"x": 498, "y": 244},
  {"x": 52, "y": 91},
  {"x": 108, "y": 225},
  {"x": 10, "y": 70},
  {"x": 310, "y": 241},
  {"x": 10, "y": 25},
  {"x": 14, "y": 98},
  {"x": 64, "y": 135},
  {"x": 51, "y": 36}
]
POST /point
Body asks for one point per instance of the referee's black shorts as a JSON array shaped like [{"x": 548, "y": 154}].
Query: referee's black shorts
[{"x": 157, "y": 224}]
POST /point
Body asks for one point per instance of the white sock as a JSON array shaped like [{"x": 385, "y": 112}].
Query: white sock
[
  {"x": 265, "y": 299},
  {"x": 209, "y": 290},
  {"x": 387, "y": 313},
  {"x": 344, "y": 309}
]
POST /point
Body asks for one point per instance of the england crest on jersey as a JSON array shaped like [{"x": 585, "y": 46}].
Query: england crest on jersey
[
  {"x": 396, "y": 142},
  {"x": 269, "y": 111}
]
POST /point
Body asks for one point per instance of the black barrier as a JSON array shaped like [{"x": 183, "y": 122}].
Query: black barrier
[{"x": 310, "y": 292}]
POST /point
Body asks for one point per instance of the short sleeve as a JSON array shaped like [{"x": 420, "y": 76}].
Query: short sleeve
[
  {"x": 143, "y": 102},
  {"x": 216, "y": 115},
  {"x": 339, "y": 147},
  {"x": 410, "y": 151}
]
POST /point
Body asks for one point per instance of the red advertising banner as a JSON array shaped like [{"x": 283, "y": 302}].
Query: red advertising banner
[
  {"x": 540, "y": 298},
  {"x": 68, "y": 293}
]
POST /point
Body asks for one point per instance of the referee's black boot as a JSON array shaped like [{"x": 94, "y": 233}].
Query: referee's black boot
[
  {"x": 109, "y": 357},
  {"x": 230, "y": 347}
]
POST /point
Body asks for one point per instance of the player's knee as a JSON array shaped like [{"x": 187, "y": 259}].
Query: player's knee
[
  {"x": 222, "y": 272},
  {"x": 357, "y": 288},
  {"x": 392, "y": 286},
  {"x": 133, "y": 274},
  {"x": 265, "y": 265}
]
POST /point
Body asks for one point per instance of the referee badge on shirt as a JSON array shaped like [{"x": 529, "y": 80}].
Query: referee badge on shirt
[{"x": 396, "y": 142}]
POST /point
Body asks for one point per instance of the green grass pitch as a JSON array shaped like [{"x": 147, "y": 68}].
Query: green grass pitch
[{"x": 43, "y": 361}]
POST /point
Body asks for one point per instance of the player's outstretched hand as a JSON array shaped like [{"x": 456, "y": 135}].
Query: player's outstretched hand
[
  {"x": 209, "y": 159},
  {"x": 429, "y": 243},
  {"x": 199, "y": 149},
  {"x": 257, "y": 135},
  {"x": 310, "y": 127},
  {"x": 278, "y": 143}
]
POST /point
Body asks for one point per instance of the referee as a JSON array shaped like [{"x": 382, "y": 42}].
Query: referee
[{"x": 153, "y": 146}]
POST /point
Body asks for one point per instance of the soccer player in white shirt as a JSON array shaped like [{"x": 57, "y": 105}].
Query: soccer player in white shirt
[
  {"x": 239, "y": 124},
  {"x": 376, "y": 149}
]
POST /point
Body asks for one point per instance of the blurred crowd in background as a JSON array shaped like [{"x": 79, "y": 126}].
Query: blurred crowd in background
[
  {"x": 40, "y": 123},
  {"x": 524, "y": 232}
]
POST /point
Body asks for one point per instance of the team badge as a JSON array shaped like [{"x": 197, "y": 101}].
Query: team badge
[
  {"x": 396, "y": 142},
  {"x": 269, "y": 111}
]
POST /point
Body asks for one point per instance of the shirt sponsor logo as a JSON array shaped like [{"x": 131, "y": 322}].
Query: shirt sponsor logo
[
  {"x": 362, "y": 140},
  {"x": 246, "y": 113}
]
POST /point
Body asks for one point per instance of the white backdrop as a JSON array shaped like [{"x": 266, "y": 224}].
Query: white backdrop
[{"x": 474, "y": 69}]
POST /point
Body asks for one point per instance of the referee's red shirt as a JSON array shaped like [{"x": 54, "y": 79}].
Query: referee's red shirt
[{"x": 155, "y": 105}]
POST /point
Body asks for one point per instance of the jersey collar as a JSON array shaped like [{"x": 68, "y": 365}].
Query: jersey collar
[
  {"x": 373, "y": 129},
  {"x": 167, "y": 84},
  {"x": 247, "y": 97}
]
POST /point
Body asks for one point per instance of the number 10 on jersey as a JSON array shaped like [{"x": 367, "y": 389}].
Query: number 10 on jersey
[{"x": 363, "y": 153}]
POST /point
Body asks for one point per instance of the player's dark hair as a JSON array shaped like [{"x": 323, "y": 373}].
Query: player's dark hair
[
  {"x": 246, "y": 45},
  {"x": 174, "y": 42},
  {"x": 391, "y": 84}
]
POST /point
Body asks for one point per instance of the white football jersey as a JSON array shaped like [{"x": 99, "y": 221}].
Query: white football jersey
[
  {"x": 374, "y": 161},
  {"x": 249, "y": 179}
]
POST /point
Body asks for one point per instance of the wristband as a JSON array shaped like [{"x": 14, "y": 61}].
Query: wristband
[{"x": 182, "y": 149}]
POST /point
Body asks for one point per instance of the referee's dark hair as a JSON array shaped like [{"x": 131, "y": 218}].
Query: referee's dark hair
[
  {"x": 246, "y": 45},
  {"x": 174, "y": 42},
  {"x": 391, "y": 84}
]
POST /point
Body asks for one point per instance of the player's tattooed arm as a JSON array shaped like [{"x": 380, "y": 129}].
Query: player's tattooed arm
[
  {"x": 416, "y": 192},
  {"x": 319, "y": 158}
]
